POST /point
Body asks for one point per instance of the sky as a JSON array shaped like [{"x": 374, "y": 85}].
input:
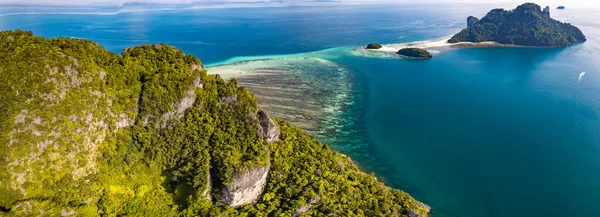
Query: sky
[{"x": 567, "y": 3}]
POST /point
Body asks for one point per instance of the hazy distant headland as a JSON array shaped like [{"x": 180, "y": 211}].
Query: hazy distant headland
[{"x": 113, "y": 8}]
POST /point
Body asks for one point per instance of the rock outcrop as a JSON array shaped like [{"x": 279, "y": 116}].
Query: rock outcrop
[
  {"x": 206, "y": 193},
  {"x": 307, "y": 207},
  {"x": 245, "y": 187},
  {"x": 268, "y": 129},
  {"x": 413, "y": 213}
]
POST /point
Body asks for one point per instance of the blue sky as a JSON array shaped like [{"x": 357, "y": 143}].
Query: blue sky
[{"x": 568, "y": 3}]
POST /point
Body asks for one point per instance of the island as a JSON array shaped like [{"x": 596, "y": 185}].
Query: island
[
  {"x": 374, "y": 46},
  {"x": 416, "y": 53},
  {"x": 148, "y": 132},
  {"x": 560, "y": 7},
  {"x": 527, "y": 25}
]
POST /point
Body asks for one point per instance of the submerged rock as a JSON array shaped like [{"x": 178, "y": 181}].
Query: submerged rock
[{"x": 245, "y": 187}]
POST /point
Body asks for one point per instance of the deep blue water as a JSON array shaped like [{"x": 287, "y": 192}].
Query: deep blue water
[{"x": 476, "y": 132}]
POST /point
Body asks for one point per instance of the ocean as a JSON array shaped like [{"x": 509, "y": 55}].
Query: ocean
[{"x": 472, "y": 132}]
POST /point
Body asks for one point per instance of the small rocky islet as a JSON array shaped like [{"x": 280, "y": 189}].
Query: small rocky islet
[
  {"x": 416, "y": 53},
  {"x": 374, "y": 46}
]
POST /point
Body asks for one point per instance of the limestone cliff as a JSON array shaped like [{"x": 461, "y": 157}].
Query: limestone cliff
[
  {"x": 86, "y": 132},
  {"x": 268, "y": 129},
  {"x": 246, "y": 186}
]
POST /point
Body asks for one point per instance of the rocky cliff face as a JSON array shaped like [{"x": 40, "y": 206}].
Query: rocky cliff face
[
  {"x": 54, "y": 118},
  {"x": 415, "y": 213},
  {"x": 246, "y": 186},
  {"x": 84, "y": 132},
  {"x": 268, "y": 129}
]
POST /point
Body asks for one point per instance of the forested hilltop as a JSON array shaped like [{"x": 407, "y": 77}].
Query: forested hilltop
[
  {"x": 86, "y": 132},
  {"x": 526, "y": 25}
]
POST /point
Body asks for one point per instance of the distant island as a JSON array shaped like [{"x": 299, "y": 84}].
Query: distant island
[
  {"x": 374, "y": 46},
  {"x": 527, "y": 25},
  {"x": 560, "y": 7},
  {"x": 415, "y": 53}
]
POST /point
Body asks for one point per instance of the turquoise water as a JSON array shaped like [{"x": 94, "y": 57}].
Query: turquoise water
[{"x": 477, "y": 132}]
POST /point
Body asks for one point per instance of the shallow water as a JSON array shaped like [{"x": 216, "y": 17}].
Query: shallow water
[{"x": 474, "y": 132}]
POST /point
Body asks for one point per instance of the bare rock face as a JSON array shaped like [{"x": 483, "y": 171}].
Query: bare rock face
[
  {"x": 185, "y": 103},
  {"x": 268, "y": 130},
  {"x": 206, "y": 193},
  {"x": 413, "y": 213},
  {"x": 307, "y": 207},
  {"x": 245, "y": 187}
]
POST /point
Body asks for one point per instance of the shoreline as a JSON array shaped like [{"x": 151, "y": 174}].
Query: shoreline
[{"x": 441, "y": 45}]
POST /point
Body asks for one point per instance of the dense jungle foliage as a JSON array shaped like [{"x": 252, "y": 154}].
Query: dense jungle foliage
[
  {"x": 374, "y": 46},
  {"x": 526, "y": 25},
  {"x": 415, "y": 52},
  {"x": 86, "y": 132}
]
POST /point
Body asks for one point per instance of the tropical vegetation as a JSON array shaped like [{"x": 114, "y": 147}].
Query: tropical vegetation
[
  {"x": 415, "y": 53},
  {"x": 373, "y": 46},
  {"x": 526, "y": 25},
  {"x": 87, "y": 132}
]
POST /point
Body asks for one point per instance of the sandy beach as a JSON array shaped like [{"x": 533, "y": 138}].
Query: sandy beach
[{"x": 439, "y": 46}]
